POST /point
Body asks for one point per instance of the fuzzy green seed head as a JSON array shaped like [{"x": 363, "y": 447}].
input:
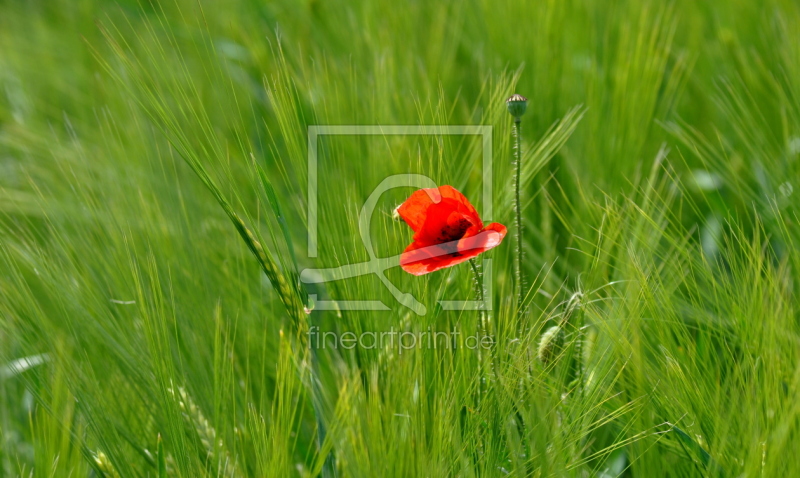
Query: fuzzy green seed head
[
  {"x": 548, "y": 343},
  {"x": 104, "y": 464},
  {"x": 573, "y": 305},
  {"x": 517, "y": 104}
]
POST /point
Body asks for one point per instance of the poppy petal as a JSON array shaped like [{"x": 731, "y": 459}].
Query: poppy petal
[
  {"x": 415, "y": 209},
  {"x": 419, "y": 259},
  {"x": 487, "y": 239},
  {"x": 449, "y": 192},
  {"x": 444, "y": 222},
  {"x": 500, "y": 229}
]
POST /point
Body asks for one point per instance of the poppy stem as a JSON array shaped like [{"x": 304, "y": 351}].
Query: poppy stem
[
  {"x": 518, "y": 284},
  {"x": 482, "y": 322},
  {"x": 479, "y": 293},
  {"x": 478, "y": 280}
]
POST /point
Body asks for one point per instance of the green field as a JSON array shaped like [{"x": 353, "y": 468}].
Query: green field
[{"x": 155, "y": 219}]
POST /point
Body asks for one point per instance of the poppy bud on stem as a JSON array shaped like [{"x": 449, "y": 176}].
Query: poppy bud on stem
[{"x": 517, "y": 104}]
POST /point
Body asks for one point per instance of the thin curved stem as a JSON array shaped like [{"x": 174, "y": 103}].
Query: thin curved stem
[
  {"x": 478, "y": 280},
  {"x": 481, "y": 324}
]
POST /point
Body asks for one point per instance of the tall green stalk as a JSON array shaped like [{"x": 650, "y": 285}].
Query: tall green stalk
[
  {"x": 517, "y": 214},
  {"x": 517, "y": 104},
  {"x": 480, "y": 296}
]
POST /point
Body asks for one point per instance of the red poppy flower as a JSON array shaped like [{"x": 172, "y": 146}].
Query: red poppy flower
[{"x": 447, "y": 230}]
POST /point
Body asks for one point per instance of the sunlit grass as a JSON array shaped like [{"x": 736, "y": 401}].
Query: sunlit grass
[{"x": 153, "y": 185}]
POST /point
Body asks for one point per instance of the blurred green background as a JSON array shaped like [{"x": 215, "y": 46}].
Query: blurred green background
[{"x": 138, "y": 336}]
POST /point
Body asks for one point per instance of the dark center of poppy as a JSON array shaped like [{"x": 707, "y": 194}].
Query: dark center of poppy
[{"x": 454, "y": 230}]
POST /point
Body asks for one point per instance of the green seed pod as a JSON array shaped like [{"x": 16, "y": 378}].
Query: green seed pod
[
  {"x": 517, "y": 105},
  {"x": 548, "y": 343}
]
